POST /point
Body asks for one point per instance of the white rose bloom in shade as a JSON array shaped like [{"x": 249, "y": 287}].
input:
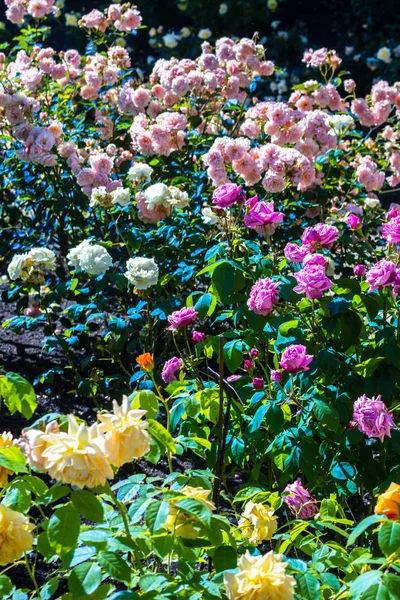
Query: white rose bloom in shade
[
  {"x": 140, "y": 172},
  {"x": 121, "y": 196},
  {"x": 92, "y": 258},
  {"x": 209, "y": 217},
  {"x": 372, "y": 202},
  {"x": 142, "y": 272},
  {"x": 170, "y": 40},
  {"x": 98, "y": 196},
  {"x": 204, "y": 34},
  {"x": 156, "y": 194},
  {"x": 23, "y": 265},
  {"x": 20, "y": 266},
  {"x": 185, "y": 32},
  {"x": 178, "y": 198},
  {"x": 384, "y": 54},
  {"x": 42, "y": 257},
  {"x": 223, "y": 8}
]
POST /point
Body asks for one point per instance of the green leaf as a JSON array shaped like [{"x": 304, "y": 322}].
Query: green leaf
[
  {"x": 115, "y": 566},
  {"x": 88, "y": 505},
  {"x": 84, "y": 579},
  {"x": 209, "y": 403},
  {"x": 369, "y": 366},
  {"x": 389, "y": 537},
  {"x": 343, "y": 471},
  {"x": 364, "y": 582},
  {"x": 6, "y": 585},
  {"x": 233, "y": 354},
  {"x": 13, "y": 459},
  {"x": 327, "y": 415},
  {"x": 195, "y": 509},
  {"x": 225, "y": 557},
  {"x": 204, "y": 305},
  {"x": 145, "y": 400},
  {"x": 63, "y": 529},
  {"x": 308, "y": 587},
  {"x": 156, "y": 515},
  {"x": 159, "y": 433},
  {"x": 223, "y": 280},
  {"x": 18, "y": 394},
  {"x": 49, "y": 589},
  {"x": 363, "y": 525},
  {"x": 124, "y": 596}
]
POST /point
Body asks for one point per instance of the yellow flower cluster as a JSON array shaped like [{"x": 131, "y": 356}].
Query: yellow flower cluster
[
  {"x": 258, "y": 523},
  {"x": 15, "y": 535},
  {"x": 184, "y": 525},
  {"x": 84, "y": 455},
  {"x": 6, "y": 440},
  {"x": 260, "y": 578}
]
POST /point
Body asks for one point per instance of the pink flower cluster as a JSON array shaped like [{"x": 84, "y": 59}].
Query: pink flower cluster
[
  {"x": 157, "y": 213},
  {"x": 314, "y": 95},
  {"x": 262, "y": 217},
  {"x": 18, "y": 9},
  {"x": 263, "y": 296},
  {"x": 372, "y": 417},
  {"x": 122, "y": 17},
  {"x": 300, "y": 501},
  {"x": 38, "y": 142},
  {"x": 383, "y": 100},
  {"x": 162, "y": 136},
  {"x": 92, "y": 170},
  {"x": 321, "y": 57},
  {"x": 368, "y": 174}
]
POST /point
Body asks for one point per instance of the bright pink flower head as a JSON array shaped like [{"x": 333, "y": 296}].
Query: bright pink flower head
[
  {"x": 391, "y": 230},
  {"x": 182, "y": 318},
  {"x": 254, "y": 353},
  {"x": 312, "y": 281},
  {"x": 295, "y": 253},
  {"x": 170, "y": 369},
  {"x": 315, "y": 259},
  {"x": 258, "y": 383},
  {"x": 262, "y": 215},
  {"x": 381, "y": 275},
  {"x": 359, "y": 270},
  {"x": 353, "y": 221},
  {"x": 321, "y": 236},
  {"x": 276, "y": 376},
  {"x": 300, "y": 501},
  {"x": 263, "y": 295},
  {"x": 227, "y": 195},
  {"x": 198, "y": 337},
  {"x": 372, "y": 417},
  {"x": 295, "y": 359},
  {"x": 247, "y": 364}
]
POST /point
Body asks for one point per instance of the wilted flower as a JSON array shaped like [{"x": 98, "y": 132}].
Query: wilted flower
[
  {"x": 300, "y": 501},
  {"x": 372, "y": 417},
  {"x": 146, "y": 362},
  {"x": 295, "y": 359},
  {"x": 78, "y": 457},
  {"x": 381, "y": 275},
  {"x": 142, "y": 272},
  {"x": 91, "y": 258},
  {"x": 276, "y": 376},
  {"x": 15, "y": 535},
  {"x": 182, "y": 318},
  {"x": 184, "y": 525},
  {"x": 125, "y": 433},
  {"x": 260, "y": 577},
  {"x": 263, "y": 295},
  {"x": 258, "y": 522},
  {"x": 170, "y": 369},
  {"x": 389, "y": 502}
]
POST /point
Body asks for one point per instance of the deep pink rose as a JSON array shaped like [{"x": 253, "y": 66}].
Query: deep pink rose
[
  {"x": 295, "y": 253},
  {"x": 353, "y": 221},
  {"x": 263, "y": 295},
  {"x": 381, "y": 275},
  {"x": 262, "y": 217},
  {"x": 276, "y": 376},
  {"x": 321, "y": 236},
  {"x": 227, "y": 195},
  {"x": 181, "y": 318},
  {"x": 170, "y": 369},
  {"x": 300, "y": 501},
  {"x": 295, "y": 359},
  {"x": 359, "y": 270},
  {"x": 372, "y": 417},
  {"x": 258, "y": 383},
  {"x": 312, "y": 281},
  {"x": 198, "y": 337},
  {"x": 391, "y": 230}
]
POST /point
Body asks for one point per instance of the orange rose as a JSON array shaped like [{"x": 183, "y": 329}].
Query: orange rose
[
  {"x": 389, "y": 503},
  {"x": 146, "y": 362}
]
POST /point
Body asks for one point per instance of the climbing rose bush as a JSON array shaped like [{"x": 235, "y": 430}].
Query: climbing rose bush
[{"x": 217, "y": 273}]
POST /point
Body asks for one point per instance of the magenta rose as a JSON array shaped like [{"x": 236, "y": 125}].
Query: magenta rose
[
  {"x": 353, "y": 221},
  {"x": 295, "y": 359},
  {"x": 372, "y": 417},
  {"x": 321, "y": 236},
  {"x": 182, "y": 318},
  {"x": 381, "y": 275},
  {"x": 198, "y": 337},
  {"x": 171, "y": 369},
  {"x": 391, "y": 231},
  {"x": 263, "y": 295},
  {"x": 262, "y": 217},
  {"x": 258, "y": 383},
  {"x": 359, "y": 270},
  {"x": 312, "y": 281},
  {"x": 300, "y": 501},
  {"x": 227, "y": 195},
  {"x": 295, "y": 253},
  {"x": 276, "y": 376}
]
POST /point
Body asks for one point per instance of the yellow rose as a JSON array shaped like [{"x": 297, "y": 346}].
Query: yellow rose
[
  {"x": 184, "y": 525},
  {"x": 389, "y": 502},
  {"x": 258, "y": 522},
  {"x": 260, "y": 578},
  {"x": 15, "y": 535},
  {"x": 6, "y": 439},
  {"x": 125, "y": 433},
  {"x": 33, "y": 445},
  {"x": 78, "y": 457}
]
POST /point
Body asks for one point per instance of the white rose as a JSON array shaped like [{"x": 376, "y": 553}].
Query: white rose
[
  {"x": 185, "y": 32},
  {"x": 156, "y": 195},
  {"x": 340, "y": 122},
  {"x": 139, "y": 172},
  {"x": 121, "y": 196},
  {"x": 223, "y": 8},
  {"x": 170, "y": 40},
  {"x": 74, "y": 255},
  {"x": 42, "y": 257},
  {"x": 142, "y": 272},
  {"x": 209, "y": 217},
  {"x": 204, "y": 34},
  {"x": 372, "y": 202},
  {"x": 20, "y": 266},
  {"x": 98, "y": 195},
  {"x": 384, "y": 54},
  {"x": 92, "y": 258},
  {"x": 178, "y": 198}
]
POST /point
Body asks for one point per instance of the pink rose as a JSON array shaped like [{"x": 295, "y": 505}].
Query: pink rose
[
  {"x": 381, "y": 275},
  {"x": 263, "y": 295},
  {"x": 182, "y": 318},
  {"x": 312, "y": 281},
  {"x": 295, "y": 359},
  {"x": 170, "y": 370},
  {"x": 391, "y": 230},
  {"x": 227, "y": 195},
  {"x": 262, "y": 215}
]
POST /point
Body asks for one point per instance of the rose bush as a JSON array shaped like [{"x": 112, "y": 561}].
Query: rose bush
[{"x": 220, "y": 271}]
